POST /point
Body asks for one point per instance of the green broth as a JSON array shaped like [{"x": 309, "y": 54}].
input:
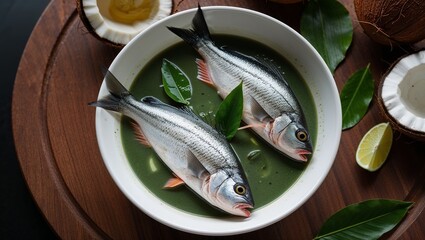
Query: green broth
[{"x": 269, "y": 173}]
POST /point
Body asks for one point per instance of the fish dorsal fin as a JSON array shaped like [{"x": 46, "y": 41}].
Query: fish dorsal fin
[
  {"x": 257, "y": 110},
  {"x": 203, "y": 73},
  {"x": 139, "y": 134},
  {"x": 239, "y": 54},
  {"x": 152, "y": 100},
  {"x": 189, "y": 111},
  {"x": 195, "y": 166},
  {"x": 204, "y": 118},
  {"x": 272, "y": 67},
  {"x": 266, "y": 63}
]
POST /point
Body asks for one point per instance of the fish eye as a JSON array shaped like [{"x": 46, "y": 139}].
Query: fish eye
[
  {"x": 239, "y": 189},
  {"x": 302, "y": 135}
]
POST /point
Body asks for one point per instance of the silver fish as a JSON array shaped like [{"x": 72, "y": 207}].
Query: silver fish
[
  {"x": 270, "y": 106},
  {"x": 195, "y": 152}
]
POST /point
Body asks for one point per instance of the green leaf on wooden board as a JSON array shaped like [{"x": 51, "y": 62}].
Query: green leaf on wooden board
[
  {"x": 356, "y": 96},
  {"x": 365, "y": 220},
  {"x": 326, "y": 24},
  {"x": 229, "y": 113},
  {"x": 176, "y": 84}
]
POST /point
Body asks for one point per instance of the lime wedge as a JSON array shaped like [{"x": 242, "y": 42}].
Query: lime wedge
[{"x": 374, "y": 147}]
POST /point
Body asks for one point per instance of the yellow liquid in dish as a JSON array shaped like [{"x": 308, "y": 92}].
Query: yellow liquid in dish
[{"x": 131, "y": 11}]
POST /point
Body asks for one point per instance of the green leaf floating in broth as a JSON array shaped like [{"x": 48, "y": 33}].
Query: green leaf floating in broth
[
  {"x": 356, "y": 96},
  {"x": 229, "y": 113},
  {"x": 365, "y": 220},
  {"x": 326, "y": 24},
  {"x": 176, "y": 83}
]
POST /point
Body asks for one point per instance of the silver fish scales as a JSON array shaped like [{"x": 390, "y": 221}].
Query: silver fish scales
[
  {"x": 196, "y": 153},
  {"x": 270, "y": 106}
]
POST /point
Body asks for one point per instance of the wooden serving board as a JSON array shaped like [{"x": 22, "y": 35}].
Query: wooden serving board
[{"x": 54, "y": 133}]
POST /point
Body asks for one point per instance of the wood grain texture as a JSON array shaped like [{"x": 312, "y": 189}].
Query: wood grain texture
[{"x": 55, "y": 138}]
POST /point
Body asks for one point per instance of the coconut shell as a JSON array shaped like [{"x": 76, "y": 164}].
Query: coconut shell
[
  {"x": 396, "y": 125},
  {"x": 392, "y": 21},
  {"x": 89, "y": 27}
]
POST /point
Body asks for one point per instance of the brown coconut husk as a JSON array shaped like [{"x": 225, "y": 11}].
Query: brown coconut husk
[
  {"x": 392, "y": 21},
  {"x": 396, "y": 125}
]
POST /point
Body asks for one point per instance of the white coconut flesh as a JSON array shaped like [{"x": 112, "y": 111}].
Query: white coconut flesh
[
  {"x": 403, "y": 91},
  {"x": 100, "y": 14}
]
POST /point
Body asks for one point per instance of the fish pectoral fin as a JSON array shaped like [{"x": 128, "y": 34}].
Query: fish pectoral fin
[
  {"x": 173, "y": 183},
  {"x": 195, "y": 166},
  {"x": 139, "y": 134},
  {"x": 257, "y": 111},
  {"x": 254, "y": 125},
  {"x": 203, "y": 74}
]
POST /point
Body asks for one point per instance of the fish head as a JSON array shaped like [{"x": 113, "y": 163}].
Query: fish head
[
  {"x": 290, "y": 135},
  {"x": 231, "y": 193}
]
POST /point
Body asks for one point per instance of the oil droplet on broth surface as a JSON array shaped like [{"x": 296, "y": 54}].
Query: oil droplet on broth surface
[
  {"x": 253, "y": 155},
  {"x": 152, "y": 165}
]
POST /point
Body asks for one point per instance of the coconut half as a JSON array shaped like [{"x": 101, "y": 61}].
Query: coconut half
[
  {"x": 402, "y": 95},
  {"x": 392, "y": 21},
  {"x": 118, "y": 21}
]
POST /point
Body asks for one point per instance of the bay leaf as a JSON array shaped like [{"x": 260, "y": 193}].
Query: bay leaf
[
  {"x": 229, "y": 113},
  {"x": 176, "y": 83},
  {"x": 356, "y": 96},
  {"x": 326, "y": 24},
  {"x": 365, "y": 220}
]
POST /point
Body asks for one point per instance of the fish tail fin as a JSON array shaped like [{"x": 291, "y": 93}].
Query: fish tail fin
[
  {"x": 200, "y": 25},
  {"x": 117, "y": 93},
  {"x": 199, "y": 32},
  {"x": 114, "y": 86},
  {"x": 109, "y": 102}
]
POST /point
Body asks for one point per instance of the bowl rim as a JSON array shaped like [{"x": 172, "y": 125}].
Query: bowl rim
[{"x": 171, "y": 216}]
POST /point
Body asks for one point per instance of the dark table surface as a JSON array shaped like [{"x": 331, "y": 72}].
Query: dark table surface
[{"x": 20, "y": 217}]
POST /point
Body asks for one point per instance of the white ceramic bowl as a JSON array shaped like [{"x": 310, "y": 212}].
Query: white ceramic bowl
[{"x": 249, "y": 24}]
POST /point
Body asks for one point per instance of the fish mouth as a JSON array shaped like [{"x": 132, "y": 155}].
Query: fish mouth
[
  {"x": 302, "y": 154},
  {"x": 242, "y": 208}
]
